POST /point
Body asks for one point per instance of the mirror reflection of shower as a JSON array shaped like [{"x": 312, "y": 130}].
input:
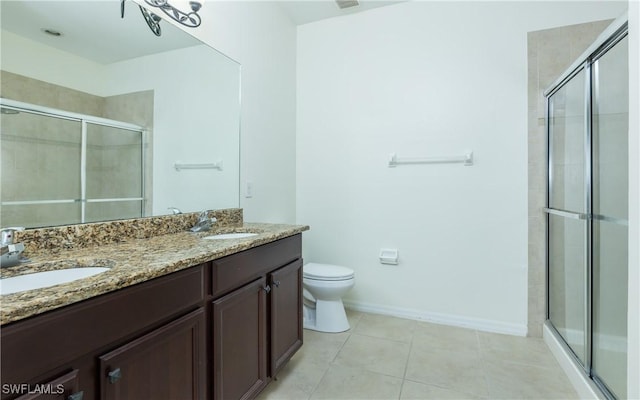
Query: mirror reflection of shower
[
  {"x": 63, "y": 168},
  {"x": 75, "y": 75}
]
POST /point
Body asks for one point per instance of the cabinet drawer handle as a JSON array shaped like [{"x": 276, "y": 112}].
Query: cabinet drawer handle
[
  {"x": 76, "y": 396},
  {"x": 267, "y": 288},
  {"x": 115, "y": 375},
  {"x": 276, "y": 283}
]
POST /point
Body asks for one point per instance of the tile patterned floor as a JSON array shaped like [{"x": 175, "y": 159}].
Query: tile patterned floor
[{"x": 392, "y": 358}]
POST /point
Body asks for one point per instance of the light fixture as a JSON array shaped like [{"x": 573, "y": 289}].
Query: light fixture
[
  {"x": 190, "y": 19},
  {"x": 152, "y": 20}
]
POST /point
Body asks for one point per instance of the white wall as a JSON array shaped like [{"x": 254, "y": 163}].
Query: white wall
[
  {"x": 195, "y": 121},
  {"x": 633, "y": 311},
  {"x": 263, "y": 39},
  {"x": 420, "y": 79}
]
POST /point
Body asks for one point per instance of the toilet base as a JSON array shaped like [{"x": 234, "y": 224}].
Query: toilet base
[{"x": 327, "y": 316}]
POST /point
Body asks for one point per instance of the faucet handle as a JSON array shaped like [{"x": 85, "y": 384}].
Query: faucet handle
[
  {"x": 174, "y": 210},
  {"x": 7, "y": 234},
  {"x": 204, "y": 215},
  {"x": 204, "y": 222}
]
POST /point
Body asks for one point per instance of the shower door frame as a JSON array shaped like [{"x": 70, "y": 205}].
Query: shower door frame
[
  {"x": 613, "y": 34},
  {"x": 83, "y": 119}
]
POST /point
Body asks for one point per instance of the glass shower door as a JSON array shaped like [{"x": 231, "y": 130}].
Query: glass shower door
[
  {"x": 114, "y": 173},
  {"x": 568, "y": 226},
  {"x": 40, "y": 169},
  {"x": 587, "y": 242},
  {"x": 61, "y": 168},
  {"x": 610, "y": 218}
]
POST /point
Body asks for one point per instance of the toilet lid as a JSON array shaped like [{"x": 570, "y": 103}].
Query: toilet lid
[{"x": 326, "y": 272}]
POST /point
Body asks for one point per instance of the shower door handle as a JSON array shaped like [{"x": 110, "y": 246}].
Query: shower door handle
[
  {"x": 567, "y": 214},
  {"x": 614, "y": 220}
]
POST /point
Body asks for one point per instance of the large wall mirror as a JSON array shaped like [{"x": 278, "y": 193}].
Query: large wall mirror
[{"x": 103, "y": 120}]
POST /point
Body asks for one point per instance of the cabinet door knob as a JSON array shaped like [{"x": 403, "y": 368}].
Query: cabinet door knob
[
  {"x": 76, "y": 396},
  {"x": 115, "y": 375},
  {"x": 276, "y": 283},
  {"x": 267, "y": 288}
]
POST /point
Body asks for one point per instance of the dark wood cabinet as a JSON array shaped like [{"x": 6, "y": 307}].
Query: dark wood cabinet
[
  {"x": 286, "y": 314},
  {"x": 256, "y": 326},
  {"x": 239, "y": 342},
  {"x": 168, "y": 363},
  {"x": 219, "y": 330},
  {"x": 257, "y": 316}
]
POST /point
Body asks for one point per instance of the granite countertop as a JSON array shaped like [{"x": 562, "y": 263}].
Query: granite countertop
[{"x": 130, "y": 262}]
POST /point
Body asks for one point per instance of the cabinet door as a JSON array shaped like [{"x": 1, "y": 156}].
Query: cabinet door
[
  {"x": 168, "y": 363},
  {"x": 62, "y": 388},
  {"x": 286, "y": 313},
  {"x": 239, "y": 342}
]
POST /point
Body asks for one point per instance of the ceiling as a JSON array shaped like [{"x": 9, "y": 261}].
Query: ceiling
[
  {"x": 91, "y": 29},
  {"x": 94, "y": 30},
  {"x": 305, "y": 11}
]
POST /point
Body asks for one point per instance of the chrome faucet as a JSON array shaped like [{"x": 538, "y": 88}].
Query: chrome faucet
[
  {"x": 10, "y": 253},
  {"x": 174, "y": 210},
  {"x": 204, "y": 222}
]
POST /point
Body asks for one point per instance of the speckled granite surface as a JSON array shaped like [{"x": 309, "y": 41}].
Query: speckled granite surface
[
  {"x": 130, "y": 262},
  {"x": 60, "y": 238}
]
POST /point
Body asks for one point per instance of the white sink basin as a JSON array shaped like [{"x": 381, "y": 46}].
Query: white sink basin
[
  {"x": 238, "y": 235},
  {"x": 40, "y": 280}
]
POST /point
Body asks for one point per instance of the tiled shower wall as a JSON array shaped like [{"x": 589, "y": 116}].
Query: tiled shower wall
[
  {"x": 550, "y": 52},
  {"x": 33, "y": 91}
]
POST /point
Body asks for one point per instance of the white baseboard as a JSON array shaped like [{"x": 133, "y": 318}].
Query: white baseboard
[
  {"x": 585, "y": 387},
  {"x": 438, "y": 318}
]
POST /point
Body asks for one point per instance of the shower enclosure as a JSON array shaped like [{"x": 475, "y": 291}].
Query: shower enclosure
[
  {"x": 63, "y": 168},
  {"x": 587, "y": 238}
]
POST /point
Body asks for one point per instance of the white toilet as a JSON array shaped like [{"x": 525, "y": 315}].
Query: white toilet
[{"x": 324, "y": 286}]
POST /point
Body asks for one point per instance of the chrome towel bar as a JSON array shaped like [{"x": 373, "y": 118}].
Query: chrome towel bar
[
  {"x": 466, "y": 159},
  {"x": 181, "y": 166}
]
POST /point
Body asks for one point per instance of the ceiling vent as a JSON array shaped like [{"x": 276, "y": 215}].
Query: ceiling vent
[{"x": 347, "y": 3}]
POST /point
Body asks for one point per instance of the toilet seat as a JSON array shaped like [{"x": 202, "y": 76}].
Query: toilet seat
[{"x": 326, "y": 272}]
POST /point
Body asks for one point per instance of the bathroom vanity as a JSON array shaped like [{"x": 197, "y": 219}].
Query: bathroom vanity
[{"x": 215, "y": 329}]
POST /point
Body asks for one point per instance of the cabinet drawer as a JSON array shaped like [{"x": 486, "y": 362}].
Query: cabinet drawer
[
  {"x": 233, "y": 271},
  {"x": 55, "y": 338}
]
